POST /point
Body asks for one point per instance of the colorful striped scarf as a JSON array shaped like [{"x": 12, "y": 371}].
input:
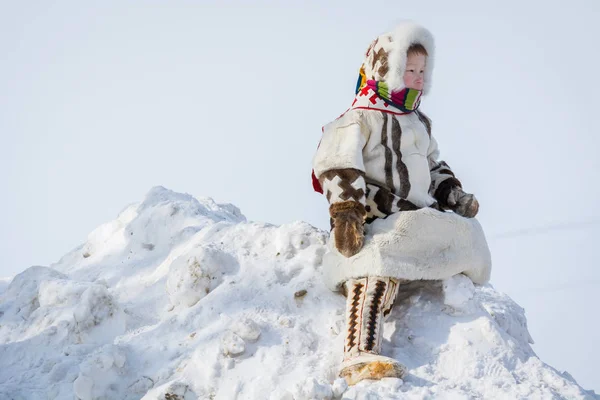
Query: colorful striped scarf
[{"x": 407, "y": 100}]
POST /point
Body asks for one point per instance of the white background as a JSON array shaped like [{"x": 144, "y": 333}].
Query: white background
[{"x": 100, "y": 102}]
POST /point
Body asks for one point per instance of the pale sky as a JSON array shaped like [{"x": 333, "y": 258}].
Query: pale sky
[{"x": 100, "y": 101}]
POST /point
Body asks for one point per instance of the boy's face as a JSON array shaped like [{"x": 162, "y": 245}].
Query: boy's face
[{"x": 415, "y": 70}]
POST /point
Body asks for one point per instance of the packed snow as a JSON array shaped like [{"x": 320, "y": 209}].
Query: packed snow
[{"x": 183, "y": 298}]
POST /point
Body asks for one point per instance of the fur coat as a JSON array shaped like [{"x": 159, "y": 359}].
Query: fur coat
[{"x": 388, "y": 160}]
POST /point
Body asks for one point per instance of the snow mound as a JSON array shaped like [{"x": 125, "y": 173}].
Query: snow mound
[
  {"x": 4, "y": 282},
  {"x": 52, "y": 304},
  {"x": 194, "y": 274},
  {"x": 179, "y": 298}
]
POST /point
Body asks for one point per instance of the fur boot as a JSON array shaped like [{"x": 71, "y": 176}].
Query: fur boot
[{"x": 368, "y": 301}]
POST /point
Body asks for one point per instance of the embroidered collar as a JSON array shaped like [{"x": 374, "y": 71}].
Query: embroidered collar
[{"x": 401, "y": 102}]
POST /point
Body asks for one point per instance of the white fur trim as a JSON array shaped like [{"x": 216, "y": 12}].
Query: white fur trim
[
  {"x": 396, "y": 43},
  {"x": 414, "y": 245}
]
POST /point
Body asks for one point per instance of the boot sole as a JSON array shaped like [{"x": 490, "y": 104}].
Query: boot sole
[{"x": 371, "y": 367}]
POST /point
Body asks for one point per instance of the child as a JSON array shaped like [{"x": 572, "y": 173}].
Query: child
[{"x": 376, "y": 160}]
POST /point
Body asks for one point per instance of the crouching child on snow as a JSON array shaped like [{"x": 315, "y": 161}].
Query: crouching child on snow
[{"x": 378, "y": 166}]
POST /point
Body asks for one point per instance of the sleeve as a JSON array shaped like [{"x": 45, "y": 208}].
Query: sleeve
[
  {"x": 442, "y": 177},
  {"x": 338, "y": 163}
]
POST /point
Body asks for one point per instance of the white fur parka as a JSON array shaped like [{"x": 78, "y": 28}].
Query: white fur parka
[{"x": 387, "y": 160}]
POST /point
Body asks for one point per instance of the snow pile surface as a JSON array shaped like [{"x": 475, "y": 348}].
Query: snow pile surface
[{"x": 180, "y": 298}]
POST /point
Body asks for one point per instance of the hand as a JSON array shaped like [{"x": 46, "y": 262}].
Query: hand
[
  {"x": 348, "y": 218},
  {"x": 462, "y": 203}
]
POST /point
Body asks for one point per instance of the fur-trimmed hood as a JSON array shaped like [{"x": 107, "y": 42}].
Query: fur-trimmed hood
[{"x": 386, "y": 56}]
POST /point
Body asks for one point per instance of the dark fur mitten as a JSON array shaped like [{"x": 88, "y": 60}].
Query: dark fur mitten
[
  {"x": 462, "y": 203},
  {"x": 348, "y": 219}
]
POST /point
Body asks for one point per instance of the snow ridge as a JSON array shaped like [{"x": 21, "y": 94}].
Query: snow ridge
[{"x": 182, "y": 298}]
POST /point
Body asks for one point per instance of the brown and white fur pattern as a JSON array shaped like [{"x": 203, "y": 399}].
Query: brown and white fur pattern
[
  {"x": 385, "y": 59},
  {"x": 379, "y": 156},
  {"x": 368, "y": 302},
  {"x": 386, "y": 162}
]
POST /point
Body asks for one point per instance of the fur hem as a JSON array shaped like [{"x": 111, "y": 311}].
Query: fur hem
[{"x": 425, "y": 244}]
